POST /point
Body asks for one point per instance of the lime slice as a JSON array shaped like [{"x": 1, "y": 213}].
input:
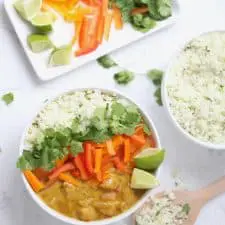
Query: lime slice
[
  {"x": 61, "y": 56},
  {"x": 39, "y": 42},
  {"x": 143, "y": 180},
  {"x": 28, "y": 8},
  {"x": 149, "y": 158},
  {"x": 43, "y": 21}
]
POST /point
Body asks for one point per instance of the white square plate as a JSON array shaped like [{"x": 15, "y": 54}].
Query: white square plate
[{"x": 117, "y": 40}]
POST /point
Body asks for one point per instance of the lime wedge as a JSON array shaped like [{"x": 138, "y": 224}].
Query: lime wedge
[
  {"x": 149, "y": 158},
  {"x": 39, "y": 42},
  {"x": 61, "y": 56},
  {"x": 43, "y": 21},
  {"x": 28, "y": 8},
  {"x": 143, "y": 180}
]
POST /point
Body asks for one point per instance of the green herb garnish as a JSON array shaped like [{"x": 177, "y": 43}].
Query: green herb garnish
[
  {"x": 53, "y": 144},
  {"x": 8, "y": 98},
  {"x": 123, "y": 77},
  {"x": 156, "y": 76},
  {"x": 157, "y": 95},
  {"x": 186, "y": 208},
  {"x": 106, "y": 62},
  {"x": 142, "y": 22}
]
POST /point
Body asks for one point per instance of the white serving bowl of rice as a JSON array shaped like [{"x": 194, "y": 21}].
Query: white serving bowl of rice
[{"x": 193, "y": 90}]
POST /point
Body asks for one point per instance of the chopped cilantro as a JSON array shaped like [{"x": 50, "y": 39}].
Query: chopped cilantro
[
  {"x": 156, "y": 76},
  {"x": 8, "y": 98},
  {"x": 106, "y": 61},
  {"x": 186, "y": 208},
  {"x": 123, "y": 77},
  {"x": 53, "y": 144},
  {"x": 157, "y": 95}
]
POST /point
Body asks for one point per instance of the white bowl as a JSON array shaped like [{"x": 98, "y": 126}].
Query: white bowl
[
  {"x": 166, "y": 104},
  {"x": 74, "y": 221}
]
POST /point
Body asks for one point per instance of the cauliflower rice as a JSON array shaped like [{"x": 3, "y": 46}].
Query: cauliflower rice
[{"x": 196, "y": 88}]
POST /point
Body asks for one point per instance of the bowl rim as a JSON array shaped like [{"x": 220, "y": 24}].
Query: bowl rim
[
  {"x": 166, "y": 98},
  {"x": 74, "y": 221}
]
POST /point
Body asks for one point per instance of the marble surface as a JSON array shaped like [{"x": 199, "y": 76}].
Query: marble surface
[{"x": 186, "y": 163}]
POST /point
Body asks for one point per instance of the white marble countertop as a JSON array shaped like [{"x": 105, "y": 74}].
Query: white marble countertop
[{"x": 194, "y": 166}]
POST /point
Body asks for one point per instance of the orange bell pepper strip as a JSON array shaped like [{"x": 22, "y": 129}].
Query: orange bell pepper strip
[
  {"x": 127, "y": 150},
  {"x": 98, "y": 160},
  {"x": 75, "y": 173},
  {"x": 110, "y": 147},
  {"x": 138, "y": 139},
  {"x": 118, "y": 164},
  {"x": 107, "y": 27},
  {"x": 105, "y": 4},
  {"x": 66, "y": 167},
  {"x": 41, "y": 174},
  {"x": 88, "y": 32},
  {"x": 34, "y": 182},
  {"x": 88, "y": 157},
  {"x": 139, "y": 10},
  {"x": 69, "y": 179},
  {"x": 86, "y": 51},
  {"x": 117, "y": 18},
  {"x": 79, "y": 162},
  {"x": 71, "y": 3}
]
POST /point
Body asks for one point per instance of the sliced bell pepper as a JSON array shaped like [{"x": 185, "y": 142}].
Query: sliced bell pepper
[
  {"x": 127, "y": 150},
  {"x": 117, "y": 17},
  {"x": 107, "y": 26},
  {"x": 79, "y": 162},
  {"x": 138, "y": 139},
  {"x": 110, "y": 147},
  {"x": 88, "y": 32},
  {"x": 98, "y": 160},
  {"x": 84, "y": 51},
  {"x": 66, "y": 167},
  {"x": 34, "y": 182},
  {"x": 77, "y": 26},
  {"x": 60, "y": 162},
  {"x": 88, "y": 157},
  {"x": 69, "y": 179}
]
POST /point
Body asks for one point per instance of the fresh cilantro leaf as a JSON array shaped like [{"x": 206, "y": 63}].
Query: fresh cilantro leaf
[
  {"x": 106, "y": 62},
  {"x": 186, "y": 208},
  {"x": 156, "y": 76},
  {"x": 117, "y": 109},
  {"x": 164, "y": 8},
  {"x": 8, "y": 98},
  {"x": 123, "y": 77},
  {"x": 142, "y": 23},
  {"x": 146, "y": 129},
  {"x": 75, "y": 147},
  {"x": 157, "y": 95}
]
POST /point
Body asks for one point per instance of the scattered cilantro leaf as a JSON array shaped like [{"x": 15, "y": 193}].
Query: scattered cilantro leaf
[
  {"x": 157, "y": 95},
  {"x": 123, "y": 77},
  {"x": 186, "y": 208},
  {"x": 8, "y": 98},
  {"x": 106, "y": 61},
  {"x": 156, "y": 76}
]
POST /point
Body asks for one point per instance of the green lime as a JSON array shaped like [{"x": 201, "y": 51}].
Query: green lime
[
  {"x": 61, "y": 56},
  {"x": 28, "y": 8},
  {"x": 43, "y": 21},
  {"x": 39, "y": 42},
  {"x": 143, "y": 180},
  {"x": 149, "y": 158}
]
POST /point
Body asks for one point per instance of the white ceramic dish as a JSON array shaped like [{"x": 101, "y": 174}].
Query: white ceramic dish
[
  {"x": 105, "y": 221},
  {"x": 117, "y": 40},
  {"x": 166, "y": 104}
]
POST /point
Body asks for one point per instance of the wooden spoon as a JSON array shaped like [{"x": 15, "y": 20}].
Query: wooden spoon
[{"x": 197, "y": 199}]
